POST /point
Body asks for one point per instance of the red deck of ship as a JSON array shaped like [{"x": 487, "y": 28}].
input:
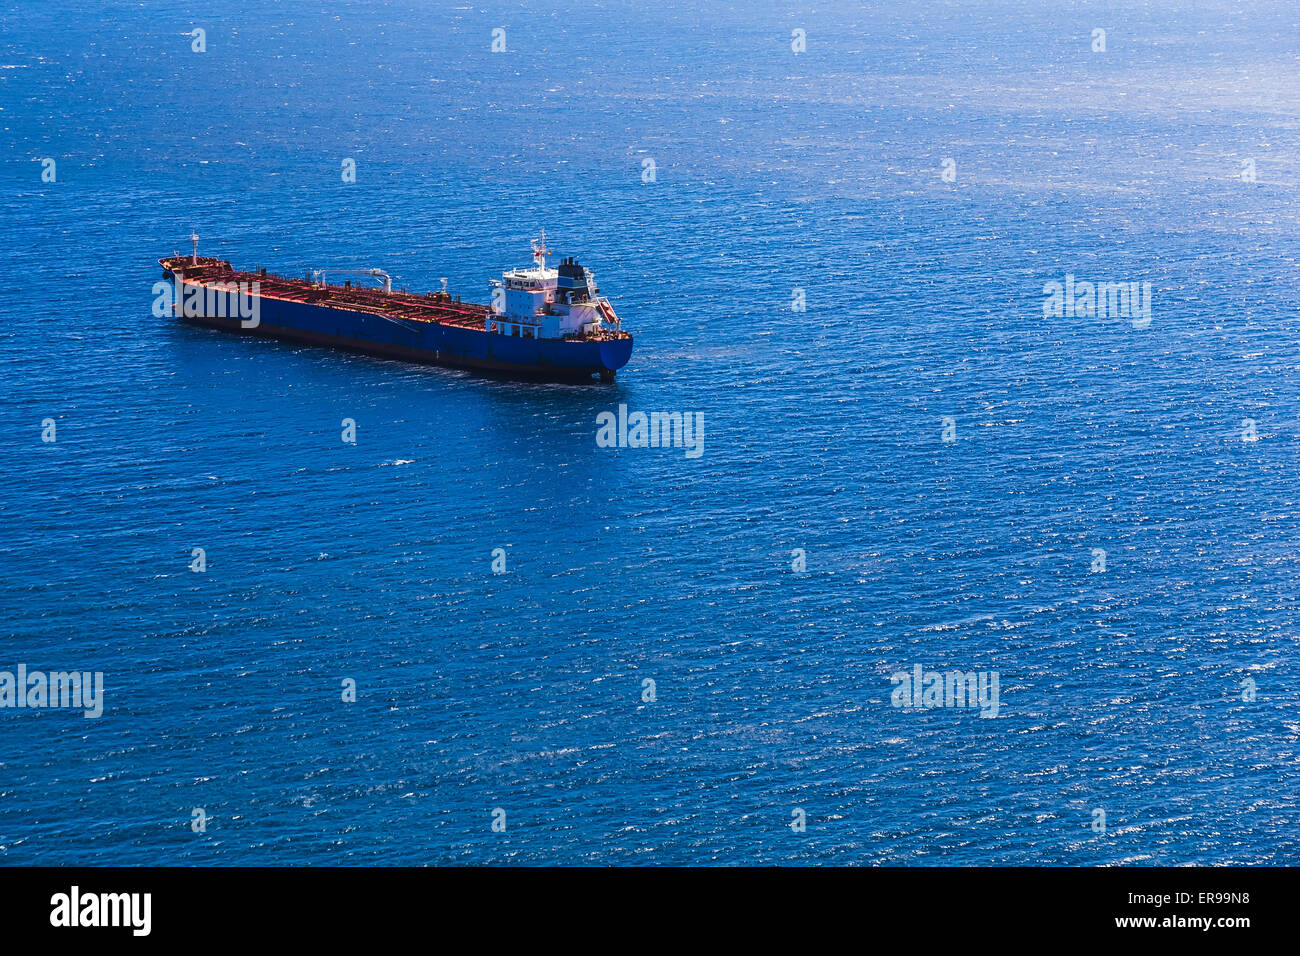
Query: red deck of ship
[{"x": 429, "y": 307}]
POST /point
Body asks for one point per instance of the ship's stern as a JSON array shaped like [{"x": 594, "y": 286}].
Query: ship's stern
[{"x": 614, "y": 354}]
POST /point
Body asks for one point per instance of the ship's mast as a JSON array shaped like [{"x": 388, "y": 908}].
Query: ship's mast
[
  {"x": 194, "y": 256},
  {"x": 540, "y": 252}
]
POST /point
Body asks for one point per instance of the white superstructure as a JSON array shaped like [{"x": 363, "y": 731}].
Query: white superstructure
[{"x": 540, "y": 302}]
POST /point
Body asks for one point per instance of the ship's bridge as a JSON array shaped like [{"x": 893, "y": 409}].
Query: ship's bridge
[
  {"x": 527, "y": 292},
  {"x": 530, "y": 279}
]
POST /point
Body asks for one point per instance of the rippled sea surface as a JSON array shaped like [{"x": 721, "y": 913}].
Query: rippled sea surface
[{"x": 1125, "y": 690}]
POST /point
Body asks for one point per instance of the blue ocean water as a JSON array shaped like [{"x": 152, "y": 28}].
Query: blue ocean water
[{"x": 1121, "y": 690}]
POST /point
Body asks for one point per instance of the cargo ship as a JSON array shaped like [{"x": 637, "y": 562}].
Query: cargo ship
[{"x": 542, "y": 322}]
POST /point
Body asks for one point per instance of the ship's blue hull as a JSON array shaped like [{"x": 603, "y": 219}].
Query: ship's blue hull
[{"x": 428, "y": 342}]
